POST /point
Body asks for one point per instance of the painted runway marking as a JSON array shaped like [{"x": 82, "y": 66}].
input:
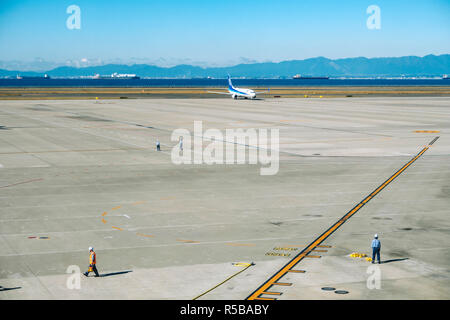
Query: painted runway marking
[
  {"x": 239, "y": 264},
  {"x": 138, "y": 202},
  {"x": 304, "y": 253},
  {"x": 144, "y": 235},
  {"x": 296, "y": 271},
  {"x": 187, "y": 241},
  {"x": 115, "y": 248},
  {"x": 272, "y": 293}
]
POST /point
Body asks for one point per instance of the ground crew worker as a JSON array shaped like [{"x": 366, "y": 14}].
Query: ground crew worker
[
  {"x": 376, "y": 246},
  {"x": 158, "y": 146},
  {"x": 181, "y": 143},
  {"x": 92, "y": 263}
]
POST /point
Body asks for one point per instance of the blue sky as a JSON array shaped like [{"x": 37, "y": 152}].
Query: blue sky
[{"x": 220, "y": 32}]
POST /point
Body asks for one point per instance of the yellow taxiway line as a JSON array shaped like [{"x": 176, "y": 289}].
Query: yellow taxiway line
[{"x": 264, "y": 288}]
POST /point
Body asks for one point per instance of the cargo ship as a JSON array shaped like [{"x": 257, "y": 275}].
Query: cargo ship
[
  {"x": 116, "y": 75},
  {"x": 300, "y": 77},
  {"x": 19, "y": 77}
]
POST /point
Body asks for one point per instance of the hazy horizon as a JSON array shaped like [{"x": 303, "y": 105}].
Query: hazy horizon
[{"x": 38, "y": 65}]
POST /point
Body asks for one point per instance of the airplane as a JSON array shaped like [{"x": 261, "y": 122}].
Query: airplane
[{"x": 239, "y": 92}]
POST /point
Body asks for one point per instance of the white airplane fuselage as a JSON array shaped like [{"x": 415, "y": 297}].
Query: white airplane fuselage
[{"x": 240, "y": 92}]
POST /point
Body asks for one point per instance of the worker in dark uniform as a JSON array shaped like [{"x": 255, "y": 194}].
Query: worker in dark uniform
[
  {"x": 158, "y": 146},
  {"x": 376, "y": 247},
  {"x": 92, "y": 263}
]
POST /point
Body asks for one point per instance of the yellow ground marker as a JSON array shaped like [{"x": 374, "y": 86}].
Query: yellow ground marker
[
  {"x": 117, "y": 228},
  {"x": 138, "y": 202},
  {"x": 358, "y": 255},
  {"x": 273, "y": 293},
  {"x": 426, "y": 131},
  {"x": 287, "y": 284},
  {"x": 303, "y": 245},
  {"x": 296, "y": 271},
  {"x": 144, "y": 235},
  {"x": 188, "y": 241},
  {"x": 115, "y": 208},
  {"x": 240, "y": 264},
  {"x": 304, "y": 253}
]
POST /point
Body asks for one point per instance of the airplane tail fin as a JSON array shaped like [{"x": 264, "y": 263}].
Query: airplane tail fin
[{"x": 230, "y": 84}]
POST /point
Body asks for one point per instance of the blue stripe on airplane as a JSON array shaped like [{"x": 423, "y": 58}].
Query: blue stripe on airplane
[{"x": 234, "y": 90}]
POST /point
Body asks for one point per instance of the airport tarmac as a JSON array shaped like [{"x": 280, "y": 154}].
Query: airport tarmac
[{"x": 80, "y": 173}]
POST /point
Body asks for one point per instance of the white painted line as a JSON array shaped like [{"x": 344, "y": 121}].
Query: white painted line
[
  {"x": 284, "y": 206},
  {"x": 152, "y": 246}
]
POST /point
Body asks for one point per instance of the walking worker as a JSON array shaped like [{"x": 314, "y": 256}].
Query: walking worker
[
  {"x": 92, "y": 263},
  {"x": 376, "y": 246},
  {"x": 158, "y": 146}
]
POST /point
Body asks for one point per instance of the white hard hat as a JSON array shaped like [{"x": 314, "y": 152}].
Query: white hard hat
[
  {"x": 376, "y": 235},
  {"x": 90, "y": 248}
]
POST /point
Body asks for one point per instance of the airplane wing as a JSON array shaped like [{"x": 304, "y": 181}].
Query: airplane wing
[{"x": 219, "y": 92}]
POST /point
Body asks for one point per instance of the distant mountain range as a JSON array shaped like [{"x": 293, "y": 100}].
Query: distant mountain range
[{"x": 430, "y": 65}]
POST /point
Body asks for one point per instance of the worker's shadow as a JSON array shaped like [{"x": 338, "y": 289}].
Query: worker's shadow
[
  {"x": 393, "y": 260},
  {"x": 6, "y": 289},
  {"x": 115, "y": 273}
]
